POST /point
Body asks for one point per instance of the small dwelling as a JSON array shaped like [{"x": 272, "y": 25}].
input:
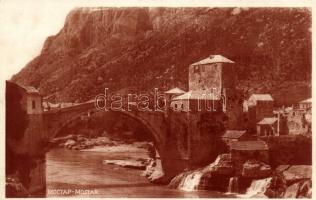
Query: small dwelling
[
  {"x": 259, "y": 106},
  {"x": 33, "y": 100},
  {"x": 241, "y": 151},
  {"x": 172, "y": 93},
  {"x": 267, "y": 127},
  {"x": 196, "y": 101},
  {"x": 234, "y": 136},
  {"x": 305, "y": 104}
]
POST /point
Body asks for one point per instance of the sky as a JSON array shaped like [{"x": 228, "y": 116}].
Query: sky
[{"x": 24, "y": 28}]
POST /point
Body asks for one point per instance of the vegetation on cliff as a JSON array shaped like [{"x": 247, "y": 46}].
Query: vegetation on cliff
[{"x": 137, "y": 49}]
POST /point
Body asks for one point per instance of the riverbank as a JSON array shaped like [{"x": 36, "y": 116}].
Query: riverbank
[{"x": 134, "y": 154}]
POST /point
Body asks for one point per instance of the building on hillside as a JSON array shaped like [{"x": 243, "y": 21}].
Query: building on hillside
[
  {"x": 304, "y": 105},
  {"x": 299, "y": 118},
  {"x": 212, "y": 87},
  {"x": 259, "y": 106},
  {"x": 268, "y": 127},
  {"x": 241, "y": 151},
  {"x": 234, "y": 135},
  {"x": 172, "y": 93},
  {"x": 33, "y": 100}
]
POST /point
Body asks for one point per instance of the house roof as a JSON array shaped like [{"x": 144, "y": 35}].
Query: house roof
[
  {"x": 261, "y": 97},
  {"x": 30, "y": 89},
  {"x": 249, "y": 145},
  {"x": 213, "y": 59},
  {"x": 198, "y": 95},
  {"x": 307, "y": 101},
  {"x": 268, "y": 120},
  {"x": 233, "y": 134},
  {"x": 175, "y": 90}
]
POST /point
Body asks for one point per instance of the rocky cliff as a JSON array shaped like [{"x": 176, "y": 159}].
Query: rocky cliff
[{"x": 137, "y": 49}]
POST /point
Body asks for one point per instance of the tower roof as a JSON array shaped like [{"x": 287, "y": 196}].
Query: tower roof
[
  {"x": 175, "y": 90},
  {"x": 213, "y": 59},
  {"x": 261, "y": 97}
]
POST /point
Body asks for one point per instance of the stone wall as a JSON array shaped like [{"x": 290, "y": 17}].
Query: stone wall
[{"x": 205, "y": 77}]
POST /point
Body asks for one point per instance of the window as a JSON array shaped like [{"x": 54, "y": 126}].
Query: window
[
  {"x": 33, "y": 104},
  {"x": 196, "y": 69},
  {"x": 203, "y": 68}
]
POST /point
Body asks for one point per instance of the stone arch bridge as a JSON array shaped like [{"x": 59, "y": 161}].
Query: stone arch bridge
[{"x": 178, "y": 137}]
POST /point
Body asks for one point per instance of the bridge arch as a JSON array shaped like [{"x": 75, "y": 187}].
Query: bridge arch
[{"x": 153, "y": 127}]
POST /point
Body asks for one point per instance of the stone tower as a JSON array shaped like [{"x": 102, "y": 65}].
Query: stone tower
[
  {"x": 212, "y": 74},
  {"x": 216, "y": 75}
]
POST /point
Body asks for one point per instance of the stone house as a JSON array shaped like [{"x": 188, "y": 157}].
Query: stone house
[
  {"x": 304, "y": 105},
  {"x": 268, "y": 127},
  {"x": 172, "y": 93},
  {"x": 33, "y": 100},
  {"x": 260, "y": 106},
  {"x": 241, "y": 151}
]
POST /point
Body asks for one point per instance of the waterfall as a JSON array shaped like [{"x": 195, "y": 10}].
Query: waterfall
[
  {"x": 258, "y": 186},
  {"x": 191, "y": 181},
  {"x": 233, "y": 185}
]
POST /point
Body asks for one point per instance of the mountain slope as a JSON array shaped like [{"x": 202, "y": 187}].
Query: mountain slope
[{"x": 138, "y": 49}]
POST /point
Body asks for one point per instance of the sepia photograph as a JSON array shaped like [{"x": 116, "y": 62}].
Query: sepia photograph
[{"x": 157, "y": 102}]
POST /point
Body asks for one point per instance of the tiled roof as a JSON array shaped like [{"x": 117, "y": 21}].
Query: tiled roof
[
  {"x": 198, "y": 95},
  {"x": 30, "y": 89},
  {"x": 249, "y": 145},
  {"x": 306, "y": 101},
  {"x": 268, "y": 120},
  {"x": 175, "y": 90},
  {"x": 233, "y": 134},
  {"x": 213, "y": 59},
  {"x": 261, "y": 97}
]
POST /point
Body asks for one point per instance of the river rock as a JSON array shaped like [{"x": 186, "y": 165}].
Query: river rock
[
  {"x": 259, "y": 187},
  {"x": 256, "y": 169},
  {"x": 296, "y": 173},
  {"x": 133, "y": 164},
  {"x": 69, "y": 143},
  {"x": 292, "y": 191},
  {"x": 150, "y": 168},
  {"x": 305, "y": 189},
  {"x": 222, "y": 165},
  {"x": 158, "y": 175},
  {"x": 276, "y": 188},
  {"x": 60, "y": 140},
  {"x": 102, "y": 141},
  {"x": 212, "y": 177}
]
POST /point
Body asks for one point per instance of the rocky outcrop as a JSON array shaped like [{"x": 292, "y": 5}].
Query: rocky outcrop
[
  {"x": 256, "y": 169},
  {"x": 297, "y": 173},
  {"x": 291, "y": 182},
  {"x": 98, "y": 45},
  {"x": 214, "y": 176}
]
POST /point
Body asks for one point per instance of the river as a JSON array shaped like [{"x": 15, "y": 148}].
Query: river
[{"x": 82, "y": 174}]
